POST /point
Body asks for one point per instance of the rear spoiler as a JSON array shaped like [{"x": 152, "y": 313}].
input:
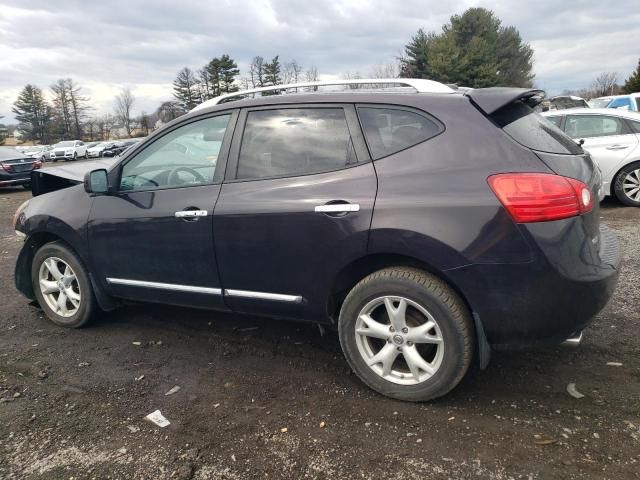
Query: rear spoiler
[{"x": 490, "y": 100}]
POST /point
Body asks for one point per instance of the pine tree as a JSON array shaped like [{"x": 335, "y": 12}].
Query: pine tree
[
  {"x": 473, "y": 50},
  {"x": 228, "y": 73},
  {"x": 33, "y": 113},
  {"x": 632, "y": 85},
  {"x": 185, "y": 89},
  {"x": 272, "y": 72}
]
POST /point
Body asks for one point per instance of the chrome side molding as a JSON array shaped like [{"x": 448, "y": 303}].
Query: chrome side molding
[
  {"x": 280, "y": 297},
  {"x": 165, "y": 286}
]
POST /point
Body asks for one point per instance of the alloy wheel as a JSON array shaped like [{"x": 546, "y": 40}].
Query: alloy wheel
[
  {"x": 631, "y": 185},
  {"x": 399, "y": 340},
  {"x": 59, "y": 286}
]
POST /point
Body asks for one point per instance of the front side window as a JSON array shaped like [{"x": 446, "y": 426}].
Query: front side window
[
  {"x": 294, "y": 141},
  {"x": 586, "y": 126},
  {"x": 389, "y": 130},
  {"x": 184, "y": 157}
]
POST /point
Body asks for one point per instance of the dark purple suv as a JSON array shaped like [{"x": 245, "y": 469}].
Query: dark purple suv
[{"x": 426, "y": 227}]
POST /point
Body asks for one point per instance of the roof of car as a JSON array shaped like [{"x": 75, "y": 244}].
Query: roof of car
[{"x": 594, "y": 111}]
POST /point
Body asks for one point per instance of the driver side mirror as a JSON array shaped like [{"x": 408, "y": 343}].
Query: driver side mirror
[{"x": 96, "y": 181}]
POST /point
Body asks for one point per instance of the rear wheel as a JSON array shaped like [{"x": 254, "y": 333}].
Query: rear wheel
[
  {"x": 406, "y": 334},
  {"x": 62, "y": 286},
  {"x": 627, "y": 185},
  {"x": 26, "y": 186}
]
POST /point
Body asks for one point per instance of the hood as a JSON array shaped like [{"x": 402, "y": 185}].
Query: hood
[{"x": 55, "y": 178}]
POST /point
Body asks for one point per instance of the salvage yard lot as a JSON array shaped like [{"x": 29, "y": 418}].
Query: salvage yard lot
[{"x": 73, "y": 401}]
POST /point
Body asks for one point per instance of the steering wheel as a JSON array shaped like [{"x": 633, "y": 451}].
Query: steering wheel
[{"x": 174, "y": 178}]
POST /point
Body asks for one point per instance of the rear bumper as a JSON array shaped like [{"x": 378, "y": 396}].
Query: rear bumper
[
  {"x": 21, "y": 178},
  {"x": 545, "y": 301}
]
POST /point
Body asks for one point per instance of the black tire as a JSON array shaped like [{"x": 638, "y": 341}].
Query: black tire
[
  {"x": 87, "y": 305},
  {"x": 618, "y": 183},
  {"x": 26, "y": 186},
  {"x": 447, "y": 309},
  {"x": 75, "y": 156}
]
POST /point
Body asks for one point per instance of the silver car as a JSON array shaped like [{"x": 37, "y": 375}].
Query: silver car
[{"x": 612, "y": 137}]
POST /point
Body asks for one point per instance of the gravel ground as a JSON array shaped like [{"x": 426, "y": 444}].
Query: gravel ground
[{"x": 266, "y": 399}]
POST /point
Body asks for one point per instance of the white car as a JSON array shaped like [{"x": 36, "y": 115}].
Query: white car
[
  {"x": 39, "y": 152},
  {"x": 68, "y": 150},
  {"x": 612, "y": 137},
  {"x": 96, "y": 151}
]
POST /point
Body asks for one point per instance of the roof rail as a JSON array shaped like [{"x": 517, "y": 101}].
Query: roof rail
[{"x": 418, "y": 85}]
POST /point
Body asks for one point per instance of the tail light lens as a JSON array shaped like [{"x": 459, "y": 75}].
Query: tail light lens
[
  {"x": 37, "y": 164},
  {"x": 541, "y": 197},
  {"x": 6, "y": 167}
]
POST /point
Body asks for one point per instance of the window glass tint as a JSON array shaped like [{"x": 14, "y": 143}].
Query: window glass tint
[
  {"x": 184, "y": 157},
  {"x": 555, "y": 120},
  {"x": 635, "y": 126},
  {"x": 637, "y": 104},
  {"x": 294, "y": 141},
  {"x": 585, "y": 126},
  {"x": 532, "y": 130},
  {"x": 389, "y": 130}
]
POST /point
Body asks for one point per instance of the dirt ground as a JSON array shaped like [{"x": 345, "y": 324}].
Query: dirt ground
[{"x": 73, "y": 402}]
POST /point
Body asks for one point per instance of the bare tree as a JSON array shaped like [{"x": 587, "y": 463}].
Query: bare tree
[
  {"x": 605, "y": 84},
  {"x": 123, "y": 104},
  {"x": 256, "y": 72},
  {"x": 292, "y": 72},
  {"x": 386, "y": 70}
]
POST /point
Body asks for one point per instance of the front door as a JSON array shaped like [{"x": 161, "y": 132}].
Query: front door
[
  {"x": 296, "y": 207},
  {"x": 152, "y": 239}
]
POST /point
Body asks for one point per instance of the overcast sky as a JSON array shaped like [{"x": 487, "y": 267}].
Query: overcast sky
[{"x": 107, "y": 44}]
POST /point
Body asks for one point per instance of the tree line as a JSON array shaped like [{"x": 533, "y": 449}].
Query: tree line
[
  {"x": 606, "y": 84},
  {"x": 221, "y": 75},
  {"x": 68, "y": 115}
]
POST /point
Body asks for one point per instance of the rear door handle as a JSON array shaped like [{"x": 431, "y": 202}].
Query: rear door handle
[
  {"x": 191, "y": 213},
  {"x": 617, "y": 147},
  {"x": 337, "y": 208}
]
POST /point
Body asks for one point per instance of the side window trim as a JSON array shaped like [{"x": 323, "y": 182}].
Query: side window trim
[
  {"x": 357, "y": 137},
  {"x": 386, "y": 106},
  {"x": 116, "y": 173}
]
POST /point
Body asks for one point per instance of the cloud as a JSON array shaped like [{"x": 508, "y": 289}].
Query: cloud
[{"x": 109, "y": 44}]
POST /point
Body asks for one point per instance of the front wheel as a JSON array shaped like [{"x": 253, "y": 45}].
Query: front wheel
[
  {"x": 627, "y": 185},
  {"x": 406, "y": 334},
  {"x": 61, "y": 285},
  {"x": 75, "y": 156}
]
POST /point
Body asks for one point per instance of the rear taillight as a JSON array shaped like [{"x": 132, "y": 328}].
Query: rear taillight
[
  {"x": 6, "y": 167},
  {"x": 37, "y": 164},
  {"x": 541, "y": 197}
]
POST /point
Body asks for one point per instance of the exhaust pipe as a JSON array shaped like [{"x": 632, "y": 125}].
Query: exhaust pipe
[{"x": 573, "y": 341}]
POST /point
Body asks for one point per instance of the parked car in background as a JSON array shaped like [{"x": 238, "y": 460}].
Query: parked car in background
[
  {"x": 16, "y": 168},
  {"x": 118, "y": 147},
  {"x": 612, "y": 137},
  {"x": 626, "y": 102},
  {"x": 68, "y": 150},
  {"x": 97, "y": 150},
  {"x": 600, "y": 102},
  {"x": 40, "y": 152},
  {"x": 562, "y": 102},
  {"x": 421, "y": 238}
]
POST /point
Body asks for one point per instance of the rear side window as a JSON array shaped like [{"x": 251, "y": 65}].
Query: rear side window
[
  {"x": 635, "y": 126},
  {"x": 587, "y": 126},
  {"x": 555, "y": 120},
  {"x": 294, "y": 141},
  {"x": 532, "y": 130},
  {"x": 389, "y": 130},
  {"x": 624, "y": 102}
]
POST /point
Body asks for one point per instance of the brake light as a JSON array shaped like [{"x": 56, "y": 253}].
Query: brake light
[
  {"x": 541, "y": 197},
  {"x": 6, "y": 167},
  {"x": 37, "y": 164}
]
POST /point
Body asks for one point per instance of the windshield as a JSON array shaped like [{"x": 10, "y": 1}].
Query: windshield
[
  {"x": 599, "y": 102},
  {"x": 64, "y": 144}
]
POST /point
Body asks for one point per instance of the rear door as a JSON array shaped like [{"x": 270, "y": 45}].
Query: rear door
[
  {"x": 295, "y": 208},
  {"x": 607, "y": 138}
]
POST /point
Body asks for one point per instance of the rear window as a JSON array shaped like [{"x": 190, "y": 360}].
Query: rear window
[
  {"x": 530, "y": 129},
  {"x": 390, "y": 130}
]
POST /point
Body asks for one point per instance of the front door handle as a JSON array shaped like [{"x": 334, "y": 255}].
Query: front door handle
[
  {"x": 337, "y": 208},
  {"x": 617, "y": 147},
  {"x": 191, "y": 213}
]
